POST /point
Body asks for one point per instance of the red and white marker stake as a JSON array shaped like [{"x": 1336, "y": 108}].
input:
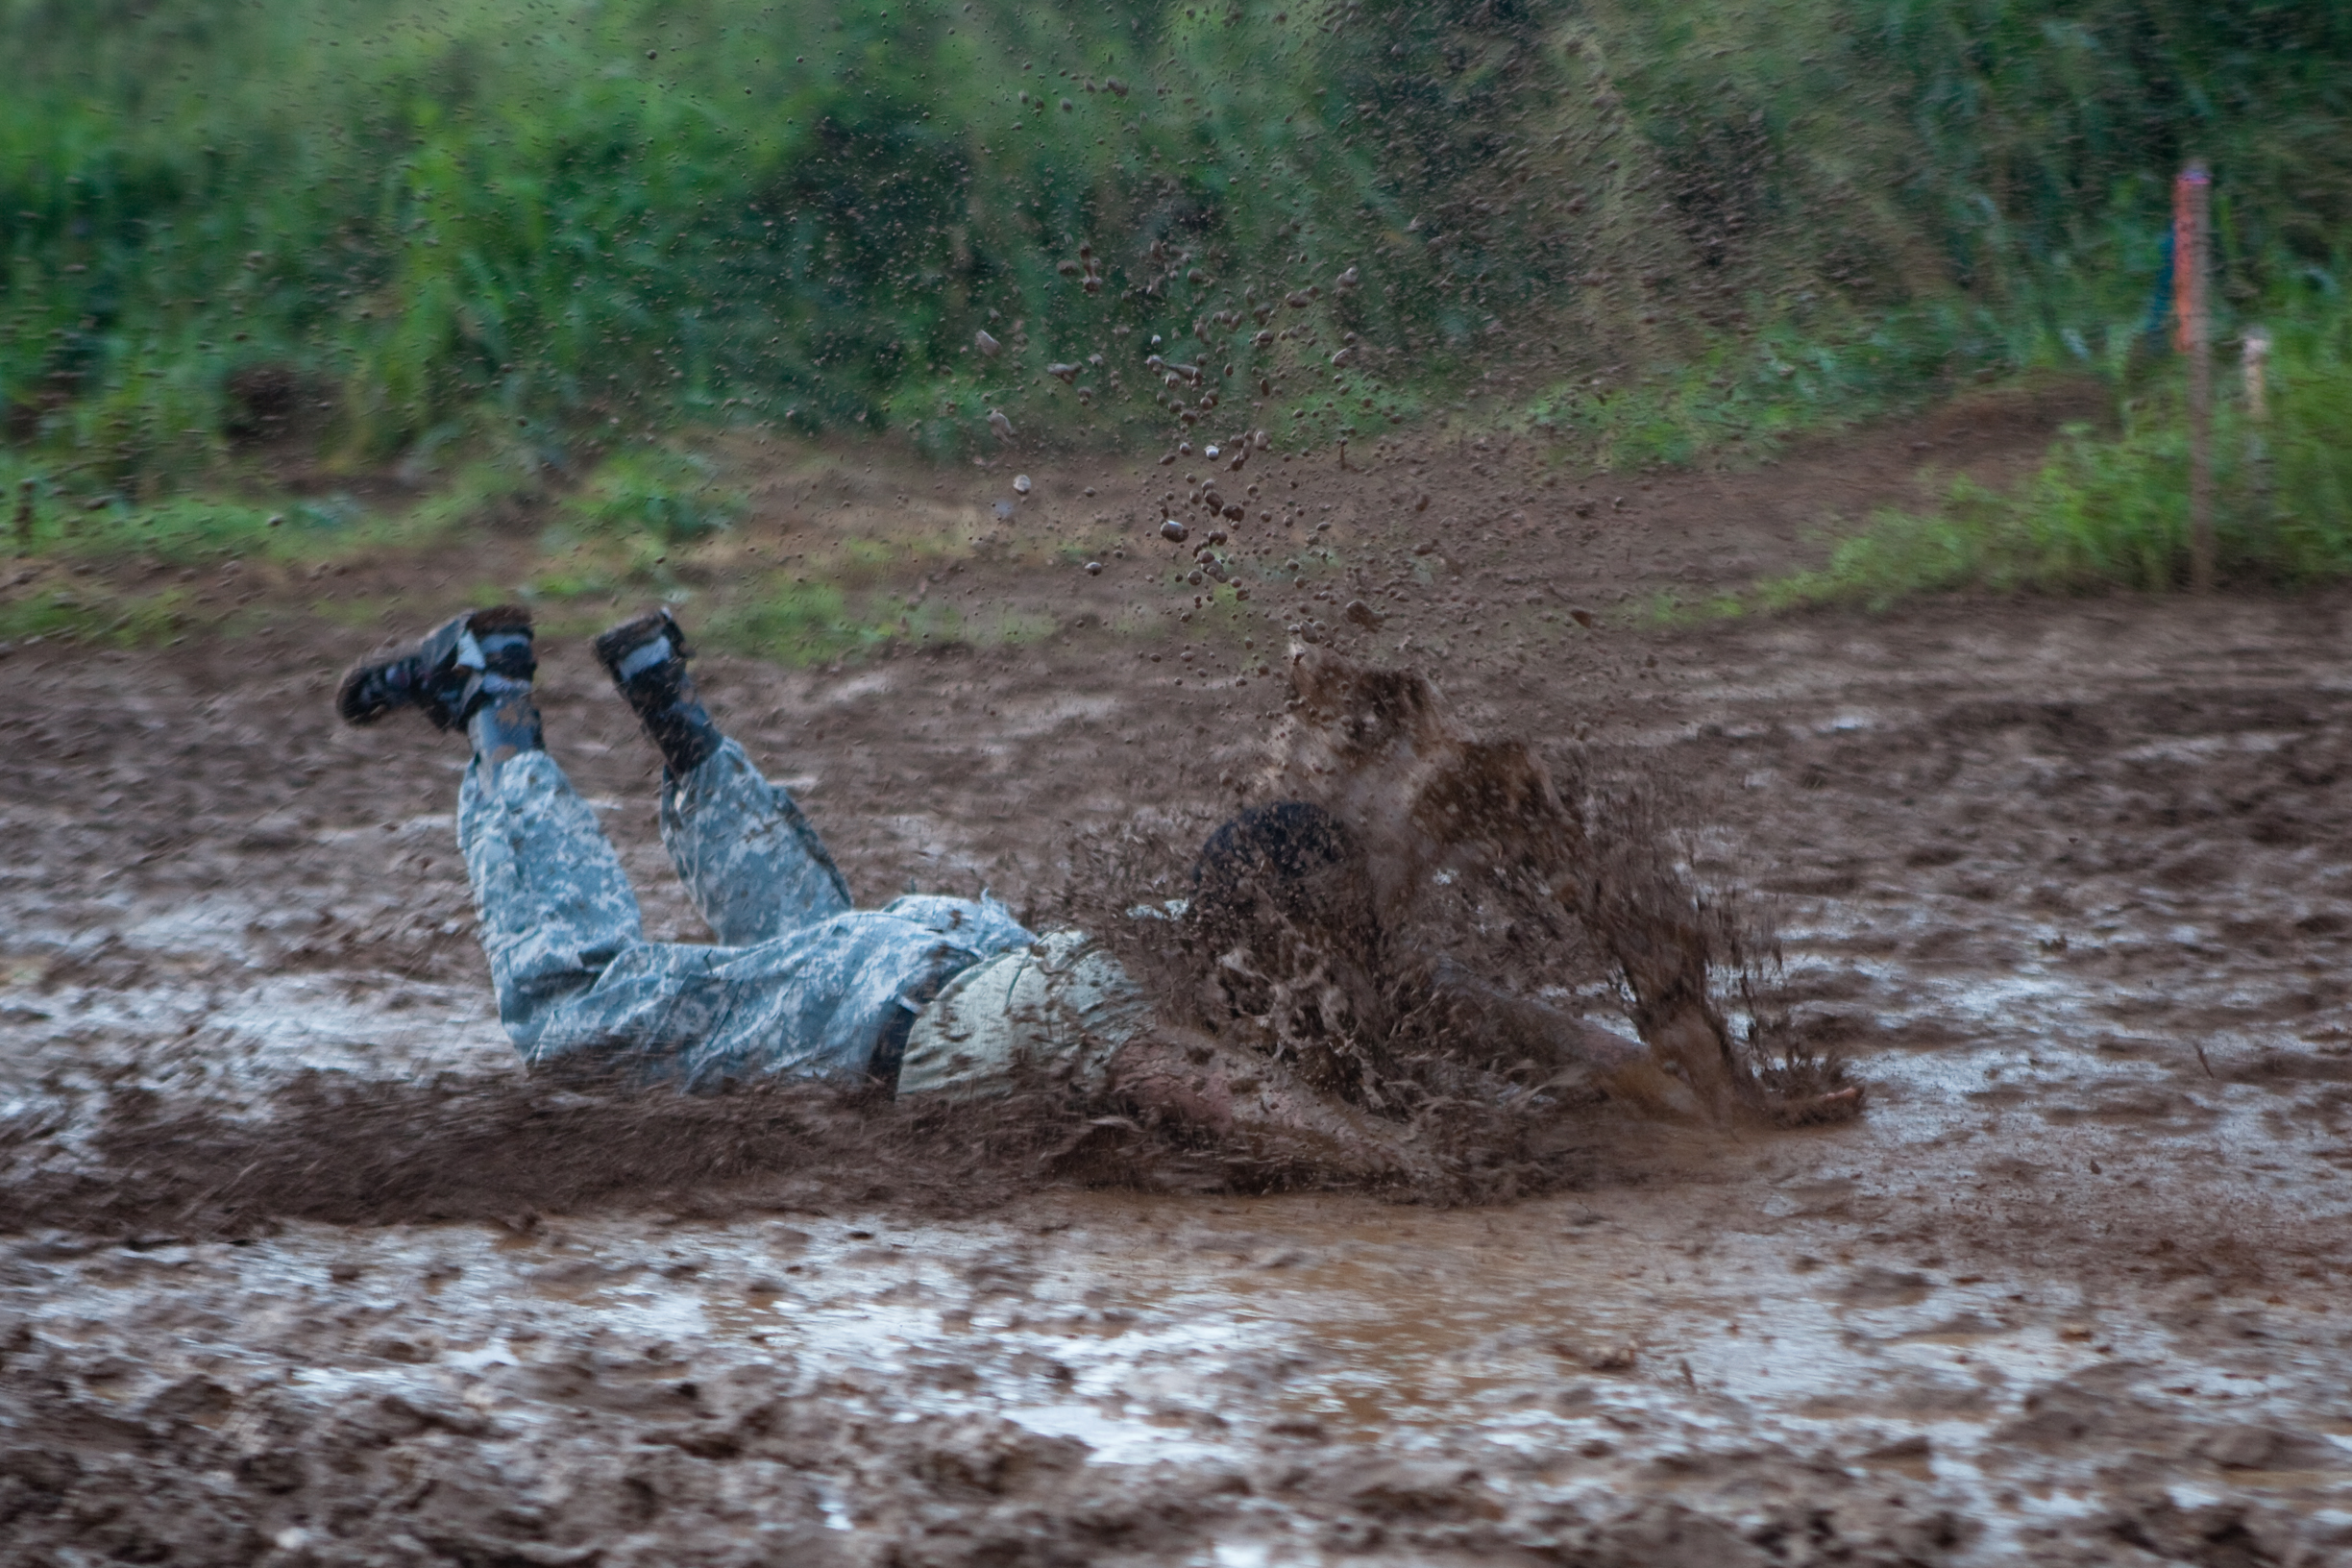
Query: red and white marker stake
[{"x": 2191, "y": 247}]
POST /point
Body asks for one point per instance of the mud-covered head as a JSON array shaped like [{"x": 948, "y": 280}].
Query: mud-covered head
[
  {"x": 1360, "y": 712},
  {"x": 1287, "y": 864},
  {"x": 1283, "y": 912},
  {"x": 1381, "y": 751}
]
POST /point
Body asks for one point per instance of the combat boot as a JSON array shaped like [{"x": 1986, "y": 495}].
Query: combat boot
[
  {"x": 646, "y": 660},
  {"x": 450, "y": 675}
]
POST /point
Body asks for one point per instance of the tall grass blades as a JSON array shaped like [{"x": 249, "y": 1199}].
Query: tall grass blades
[
  {"x": 2109, "y": 511},
  {"x": 389, "y": 223}
]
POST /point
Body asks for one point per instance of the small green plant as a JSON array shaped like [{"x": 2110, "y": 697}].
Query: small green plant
[
  {"x": 2110, "y": 511},
  {"x": 797, "y": 624},
  {"x": 42, "y": 513},
  {"x": 674, "y": 498},
  {"x": 94, "y": 615}
]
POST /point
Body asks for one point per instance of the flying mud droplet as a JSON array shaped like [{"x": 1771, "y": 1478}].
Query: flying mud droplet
[
  {"x": 1173, "y": 532},
  {"x": 987, "y": 345},
  {"x": 1068, "y": 106},
  {"x": 1020, "y": 484}
]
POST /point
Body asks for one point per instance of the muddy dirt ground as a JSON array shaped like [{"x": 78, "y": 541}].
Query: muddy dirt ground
[{"x": 2062, "y": 879}]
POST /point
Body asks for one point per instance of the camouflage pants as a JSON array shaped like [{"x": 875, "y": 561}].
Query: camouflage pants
[{"x": 799, "y": 983}]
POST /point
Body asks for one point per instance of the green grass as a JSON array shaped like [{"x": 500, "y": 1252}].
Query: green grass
[
  {"x": 805, "y": 624},
  {"x": 670, "y": 497},
  {"x": 515, "y": 247},
  {"x": 801, "y": 624},
  {"x": 95, "y": 616},
  {"x": 38, "y": 518},
  {"x": 391, "y": 225},
  {"x": 2109, "y": 511}
]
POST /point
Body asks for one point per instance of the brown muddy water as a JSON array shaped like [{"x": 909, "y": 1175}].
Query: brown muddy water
[{"x": 2063, "y": 882}]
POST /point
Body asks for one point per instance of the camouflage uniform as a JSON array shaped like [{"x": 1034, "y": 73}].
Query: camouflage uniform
[{"x": 799, "y": 983}]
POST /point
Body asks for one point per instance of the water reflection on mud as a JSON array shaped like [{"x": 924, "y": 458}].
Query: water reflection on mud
[
  {"x": 1748, "y": 1317},
  {"x": 2069, "y": 1292}
]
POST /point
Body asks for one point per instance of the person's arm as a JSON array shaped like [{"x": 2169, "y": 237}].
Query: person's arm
[
  {"x": 1500, "y": 1030},
  {"x": 1272, "y": 1124},
  {"x": 1493, "y": 1028}
]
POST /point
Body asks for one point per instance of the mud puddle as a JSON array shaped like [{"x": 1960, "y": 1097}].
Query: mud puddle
[
  {"x": 1722, "y": 1350},
  {"x": 2065, "y": 885}
]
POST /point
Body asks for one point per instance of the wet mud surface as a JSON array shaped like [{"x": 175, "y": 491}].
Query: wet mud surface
[{"x": 2062, "y": 880}]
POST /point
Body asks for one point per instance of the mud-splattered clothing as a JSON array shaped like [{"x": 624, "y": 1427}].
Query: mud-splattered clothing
[
  {"x": 799, "y": 983},
  {"x": 1058, "y": 1009}
]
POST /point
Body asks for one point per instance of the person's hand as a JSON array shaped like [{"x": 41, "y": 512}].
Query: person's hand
[
  {"x": 1816, "y": 1110},
  {"x": 1272, "y": 1128}
]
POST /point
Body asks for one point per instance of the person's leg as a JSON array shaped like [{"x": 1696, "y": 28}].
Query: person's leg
[
  {"x": 555, "y": 907},
  {"x": 751, "y": 862},
  {"x": 579, "y": 986}
]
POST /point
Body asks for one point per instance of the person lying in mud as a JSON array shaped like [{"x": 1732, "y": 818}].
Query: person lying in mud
[{"x": 934, "y": 996}]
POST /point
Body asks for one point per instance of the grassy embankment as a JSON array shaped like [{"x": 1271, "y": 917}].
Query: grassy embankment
[
  {"x": 2110, "y": 508},
  {"x": 504, "y": 242}
]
